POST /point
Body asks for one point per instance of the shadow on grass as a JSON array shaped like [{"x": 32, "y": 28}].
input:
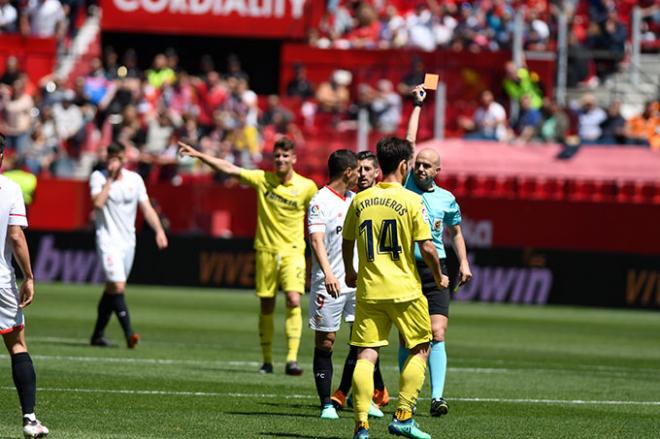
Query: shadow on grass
[
  {"x": 293, "y": 406},
  {"x": 295, "y": 435},
  {"x": 263, "y": 415}
]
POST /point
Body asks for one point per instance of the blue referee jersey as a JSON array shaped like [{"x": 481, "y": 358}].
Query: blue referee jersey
[{"x": 442, "y": 209}]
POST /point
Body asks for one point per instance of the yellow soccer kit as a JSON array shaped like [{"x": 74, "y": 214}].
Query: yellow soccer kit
[
  {"x": 386, "y": 221},
  {"x": 280, "y": 237}
]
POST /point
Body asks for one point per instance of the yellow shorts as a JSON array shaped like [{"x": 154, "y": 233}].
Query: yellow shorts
[
  {"x": 374, "y": 320},
  {"x": 274, "y": 271}
]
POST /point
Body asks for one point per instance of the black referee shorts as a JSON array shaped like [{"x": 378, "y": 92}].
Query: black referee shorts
[{"x": 438, "y": 298}]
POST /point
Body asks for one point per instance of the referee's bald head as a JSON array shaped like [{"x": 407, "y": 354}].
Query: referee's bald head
[{"x": 431, "y": 155}]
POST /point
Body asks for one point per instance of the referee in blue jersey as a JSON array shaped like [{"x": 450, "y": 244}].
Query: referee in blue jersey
[{"x": 443, "y": 211}]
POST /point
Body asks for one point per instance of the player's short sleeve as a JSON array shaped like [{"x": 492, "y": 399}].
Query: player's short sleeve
[
  {"x": 252, "y": 177},
  {"x": 96, "y": 182},
  {"x": 348, "y": 232},
  {"x": 453, "y": 214},
  {"x": 316, "y": 217},
  {"x": 141, "y": 189},
  {"x": 420, "y": 221},
  {"x": 17, "y": 215}
]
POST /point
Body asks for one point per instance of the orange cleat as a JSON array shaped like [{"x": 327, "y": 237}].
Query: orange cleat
[
  {"x": 132, "y": 340},
  {"x": 381, "y": 397},
  {"x": 338, "y": 399}
]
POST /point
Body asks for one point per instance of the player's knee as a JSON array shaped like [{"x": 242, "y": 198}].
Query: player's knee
[
  {"x": 325, "y": 343},
  {"x": 115, "y": 287},
  {"x": 421, "y": 350},
  {"x": 15, "y": 343},
  {"x": 439, "y": 333},
  {"x": 292, "y": 300}
]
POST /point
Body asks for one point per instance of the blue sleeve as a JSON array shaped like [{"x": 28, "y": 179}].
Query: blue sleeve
[{"x": 453, "y": 214}]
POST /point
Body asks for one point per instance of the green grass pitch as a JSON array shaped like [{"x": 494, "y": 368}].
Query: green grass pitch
[{"x": 514, "y": 372}]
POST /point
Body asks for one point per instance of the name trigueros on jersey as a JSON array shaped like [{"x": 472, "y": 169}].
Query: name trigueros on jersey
[{"x": 243, "y": 8}]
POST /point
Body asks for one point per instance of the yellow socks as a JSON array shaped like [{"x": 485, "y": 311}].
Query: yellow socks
[
  {"x": 266, "y": 330},
  {"x": 363, "y": 389},
  {"x": 410, "y": 384},
  {"x": 293, "y": 330}
]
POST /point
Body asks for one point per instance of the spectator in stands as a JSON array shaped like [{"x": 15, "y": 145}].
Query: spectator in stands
[
  {"x": 249, "y": 99},
  {"x": 520, "y": 82},
  {"x": 160, "y": 73},
  {"x": 300, "y": 86},
  {"x": 526, "y": 126},
  {"x": 488, "y": 122},
  {"x": 386, "y": 107},
  {"x": 412, "y": 78},
  {"x": 234, "y": 68},
  {"x": 69, "y": 122},
  {"x": 96, "y": 82},
  {"x": 273, "y": 107},
  {"x": 613, "y": 127},
  {"x": 608, "y": 37},
  {"x": 334, "y": 95},
  {"x": 556, "y": 123},
  {"x": 12, "y": 71},
  {"x": 42, "y": 149},
  {"x": 47, "y": 18},
  {"x": 245, "y": 140},
  {"x": 160, "y": 130},
  {"x": 8, "y": 18},
  {"x": 213, "y": 92},
  {"x": 420, "y": 29},
  {"x": 577, "y": 68},
  {"x": 17, "y": 108},
  {"x": 129, "y": 68},
  {"x": 366, "y": 32},
  {"x": 111, "y": 63},
  {"x": 393, "y": 33},
  {"x": 644, "y": 129},
  {"x": 590, "y": 117}
]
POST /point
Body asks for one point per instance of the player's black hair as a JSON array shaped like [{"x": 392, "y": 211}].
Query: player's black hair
[
  {"x": 115, "y": 149},
  {"x": 391, "y": 151},
  {"x": 284, "y": 144},
  {"x": 3, "y": 142},
  {"x": 339, "y": 161},
  {"x": 368, "y": 155}
]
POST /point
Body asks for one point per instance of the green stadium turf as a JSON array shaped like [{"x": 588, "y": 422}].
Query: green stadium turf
[{"x": 514, "y": 372}]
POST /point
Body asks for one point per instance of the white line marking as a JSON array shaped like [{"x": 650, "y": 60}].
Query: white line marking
[{"x": 272, "y": 395}]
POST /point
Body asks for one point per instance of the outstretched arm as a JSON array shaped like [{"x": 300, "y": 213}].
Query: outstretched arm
[
  {"x": 151, "y": 216},
  {"x": 419, "y": 94},
  {"x": 218, "y": 164}
]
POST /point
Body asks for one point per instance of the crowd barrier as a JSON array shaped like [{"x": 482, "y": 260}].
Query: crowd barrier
[{"x": 520, "y": 276}]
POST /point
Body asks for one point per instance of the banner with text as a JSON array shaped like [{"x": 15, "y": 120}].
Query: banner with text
[
  {"x": 521, "y": 276},
  {"x": 246, "y": 18}
]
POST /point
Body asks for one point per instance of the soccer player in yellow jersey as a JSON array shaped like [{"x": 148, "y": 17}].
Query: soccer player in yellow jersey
[
  {"x": 387, "y": 220},
  {"x": 282, "y": 200}
]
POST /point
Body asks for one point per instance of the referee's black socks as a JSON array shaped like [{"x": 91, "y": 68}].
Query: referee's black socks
[
  {"x": 122, "y": 314},
  {"x": 25, "y": 381},
  {"x": 323, "y": 374}
]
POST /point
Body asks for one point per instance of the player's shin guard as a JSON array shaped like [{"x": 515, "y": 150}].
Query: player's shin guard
[
  {"x": 121, "y": 309},
  {"x": 437, "y": 368},
  {"x": 293, "y": 330},
  {"x": 104, "y": 312},
  {"x": 347, "y": 373},
  {"x": 266, "y": 330},
  {"x": 363, "y": 389},
  {"x": 323, "y": 374},
  {"x": 402, "y": 356},
  {"x": 25, "y": 381},
  {"x": 410, "y": 383}
]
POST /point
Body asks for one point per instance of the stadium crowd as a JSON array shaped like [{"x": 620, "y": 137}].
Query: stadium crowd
[{"x": 41, "y": 18}]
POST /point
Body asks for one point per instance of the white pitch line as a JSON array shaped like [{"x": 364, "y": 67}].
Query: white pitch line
[{"x": 294, "y": 396}]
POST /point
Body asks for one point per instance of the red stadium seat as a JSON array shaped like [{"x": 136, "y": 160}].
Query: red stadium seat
[
  {"x": 484, "y": 186},
  {"x": 626, "y": 192},
  {"x": 505, "y": 187},
  {"x": 582, "y": 190}
]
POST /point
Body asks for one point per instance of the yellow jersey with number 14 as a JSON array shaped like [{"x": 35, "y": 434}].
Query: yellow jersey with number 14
[{"x": 387, "y": 220}]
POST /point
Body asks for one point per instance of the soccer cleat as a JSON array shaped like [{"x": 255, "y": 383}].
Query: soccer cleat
[
  {"x": 338, "y": 399},
  {"x": 381, "y": 397},
  {"x": 266, "y": 368},
  {"x": 328, "y": 412},
  {"x": 408, "y": 428},
  {"x": 33, "y": 429},
  {"x": 101, "y": 342},
  {"x": 439, "y": 407},
  {"x": 293, "y": 369},
  {"x": 374, "y": 411},
  {"x": 132, "y": 340},
  {"x": 361, "y": 430}
]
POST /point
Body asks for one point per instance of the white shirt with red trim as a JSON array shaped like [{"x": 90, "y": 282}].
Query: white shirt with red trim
[
  {"x": 326, "y": 214},
  {"x": 115, "y": 222},
  {"x": 12, "y": 213}
]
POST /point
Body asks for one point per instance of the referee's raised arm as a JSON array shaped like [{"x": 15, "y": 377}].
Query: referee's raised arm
[
  {"x": 418, "y": 94},
  {"x": 218, "y": 164}
]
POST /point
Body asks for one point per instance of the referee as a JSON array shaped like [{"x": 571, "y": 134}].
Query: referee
[{"x": 443, "y": 211}]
